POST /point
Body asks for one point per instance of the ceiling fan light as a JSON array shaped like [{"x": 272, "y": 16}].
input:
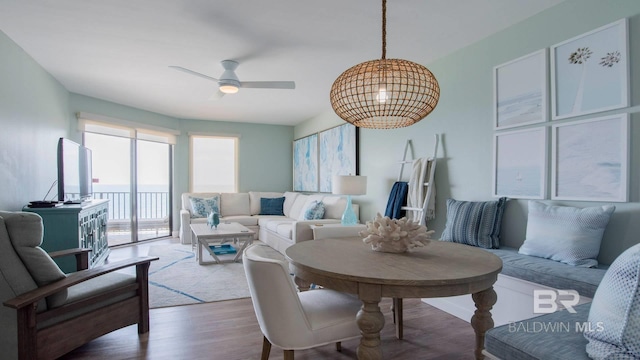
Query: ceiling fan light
[{"x": 228, "y": 89}]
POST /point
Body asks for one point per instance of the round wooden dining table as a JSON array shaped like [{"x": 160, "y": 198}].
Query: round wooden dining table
[{"x": 436, "y": 270}]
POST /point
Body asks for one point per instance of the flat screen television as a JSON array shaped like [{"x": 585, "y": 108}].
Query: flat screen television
[{"x": 74, "y": 172}]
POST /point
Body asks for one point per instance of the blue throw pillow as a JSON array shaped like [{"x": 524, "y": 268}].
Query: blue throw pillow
[
  {"x": 474, "y": 223},
  {"x": 201, "y": 207},
  {"x": 271, "y": 206},
  {"x": 614, "y": 317},
  {"x": 315, "y": 211},
  {"x": 564, "y": 233}
]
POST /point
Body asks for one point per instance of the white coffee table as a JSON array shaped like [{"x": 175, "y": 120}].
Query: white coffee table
[{"x": 204, "y": 236}]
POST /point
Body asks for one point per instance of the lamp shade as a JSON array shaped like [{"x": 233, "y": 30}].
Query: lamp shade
[{"x": 349, "y": 185}]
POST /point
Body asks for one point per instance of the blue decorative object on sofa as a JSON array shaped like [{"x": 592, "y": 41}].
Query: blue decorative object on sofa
[
  {"x": 202, "y": 207},
  {"x": 272, "y": 206},
  {"x": 474, "y": 223},
  {"x": 315, "y": 211}
]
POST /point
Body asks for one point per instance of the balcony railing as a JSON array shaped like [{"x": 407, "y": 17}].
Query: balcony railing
[{"x": 152, "y": 213}]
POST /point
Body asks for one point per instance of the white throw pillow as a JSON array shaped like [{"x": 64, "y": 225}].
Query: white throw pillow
[
  {"x": 614, "y": 332},
  {"x": 566, "y": 234}
]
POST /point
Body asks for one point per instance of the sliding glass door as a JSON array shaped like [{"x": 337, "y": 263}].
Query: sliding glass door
[{"x": 135, "y": 175}]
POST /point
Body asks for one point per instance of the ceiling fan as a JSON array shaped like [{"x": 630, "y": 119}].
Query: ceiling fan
[{"x": 228, "y": 83}]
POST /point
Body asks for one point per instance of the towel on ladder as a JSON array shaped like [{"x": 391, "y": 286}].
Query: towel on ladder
[
  {"x": 397, "y": 198},
  {"x": 417, "y": 191}
]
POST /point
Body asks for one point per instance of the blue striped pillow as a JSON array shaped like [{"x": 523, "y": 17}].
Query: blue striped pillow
[{"x": 474, "y": 223}]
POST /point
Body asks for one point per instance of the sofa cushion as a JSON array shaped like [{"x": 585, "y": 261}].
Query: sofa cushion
[
  {"x": 266, "y": 219},
  {"x": 234, "y": 204},
  {"x": 25, "y": 232},
  {"x": 297, "y": 208},
  {"x": 555, "y": 336},
  {"x": 334, "y": 206},
  {"x": 548, "y": 272},
  {"x": 271, "y": 206},
  {"x": 255, "y": 196},
  {"x": 289, "y": 199},
  {"x": 314, "y": 211},
  {"x": 202, "y": 207},
  {"x": 474, "y": 223},
  {"x": 616, "y": 306},
  {"x": 567, "y": 234},
  {"x": 244, "y": 220}
]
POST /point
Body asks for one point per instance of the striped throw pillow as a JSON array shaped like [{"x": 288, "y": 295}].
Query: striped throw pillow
[{"x": 474, "y": 223}]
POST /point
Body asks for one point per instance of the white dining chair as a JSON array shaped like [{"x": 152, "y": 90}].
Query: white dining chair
[{"x": 294, "y": 320}]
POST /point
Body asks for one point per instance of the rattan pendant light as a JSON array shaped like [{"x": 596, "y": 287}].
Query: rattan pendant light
[{"x": 385, "y": 93}]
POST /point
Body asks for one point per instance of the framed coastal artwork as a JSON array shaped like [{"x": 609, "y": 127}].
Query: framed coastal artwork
[
  {"x": 590, "y": 72},
  {"x": 305, "y": 163},
  {"x": 520, "y": 163},
  {"x": 520, "y": 91},
  {"x": 338, "y": 153},
  {"x": 590, "y": 159}
]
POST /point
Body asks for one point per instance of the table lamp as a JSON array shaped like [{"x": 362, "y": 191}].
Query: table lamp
[{"x": 349, "y": 185}]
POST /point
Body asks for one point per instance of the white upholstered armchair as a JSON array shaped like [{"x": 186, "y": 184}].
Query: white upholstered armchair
[{"x": 292, "y": 320}]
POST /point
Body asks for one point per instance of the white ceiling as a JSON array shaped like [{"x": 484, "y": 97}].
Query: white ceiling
[{"x": 120, "y": 50}]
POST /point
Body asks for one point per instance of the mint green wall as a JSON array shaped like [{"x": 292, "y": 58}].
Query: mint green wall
[
  {"x": 463, "y": 117},
  {"x": 34, "y": 113}
]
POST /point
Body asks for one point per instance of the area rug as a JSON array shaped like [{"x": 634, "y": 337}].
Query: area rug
[{"x": 177, "y": 279}]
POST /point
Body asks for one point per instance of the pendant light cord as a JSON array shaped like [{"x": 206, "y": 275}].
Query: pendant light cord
[{"x": 384, "y": 29}]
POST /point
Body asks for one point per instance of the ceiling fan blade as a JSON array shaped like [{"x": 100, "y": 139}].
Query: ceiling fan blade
[
  {"x": 180, "y": 68},
  {"x": 268, "y": 84}
]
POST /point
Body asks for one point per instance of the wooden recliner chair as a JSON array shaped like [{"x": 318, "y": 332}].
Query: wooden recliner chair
[{"x": 47, "y": 313}]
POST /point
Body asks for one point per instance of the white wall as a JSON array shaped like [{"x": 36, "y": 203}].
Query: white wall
[{"x": 463, "y": 118}]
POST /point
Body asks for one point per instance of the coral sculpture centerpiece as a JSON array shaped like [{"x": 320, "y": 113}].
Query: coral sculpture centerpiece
[{"x": 395, "y": 235}]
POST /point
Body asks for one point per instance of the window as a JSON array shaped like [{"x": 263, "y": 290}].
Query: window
[{"x": 214, "y": 163}]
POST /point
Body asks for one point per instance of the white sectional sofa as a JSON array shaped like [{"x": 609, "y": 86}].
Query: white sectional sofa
[{"x": 277, "y": 231}]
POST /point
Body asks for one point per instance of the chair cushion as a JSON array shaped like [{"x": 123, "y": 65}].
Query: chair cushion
[
  {"x": 474, "y": 223},
  {"x": 25, "y": 232},
  {"x": 14, "y": 276},
  {"x": 566, "y": 234},
  {"x": 616, "y": 306}
]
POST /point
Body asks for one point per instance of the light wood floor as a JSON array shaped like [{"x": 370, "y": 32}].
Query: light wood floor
[{"x": 229, "y": 330}]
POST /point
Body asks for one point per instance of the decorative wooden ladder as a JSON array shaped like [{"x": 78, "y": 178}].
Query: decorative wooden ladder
[{"x": 429, "y": 174}]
